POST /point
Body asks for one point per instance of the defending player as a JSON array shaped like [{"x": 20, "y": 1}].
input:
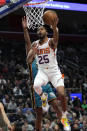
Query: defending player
[{"x": 44, "y": 50}]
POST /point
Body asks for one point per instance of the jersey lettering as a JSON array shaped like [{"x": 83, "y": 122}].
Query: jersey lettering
[{"x": 44, "y": 51}]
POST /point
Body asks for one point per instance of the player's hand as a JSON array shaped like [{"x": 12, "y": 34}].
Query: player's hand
[
  {"x": 35, "y": 49},
  {"x": 24, "y": 22},
  {"x": 54, "y": 23},
  {"x": 11, "y": 127}
]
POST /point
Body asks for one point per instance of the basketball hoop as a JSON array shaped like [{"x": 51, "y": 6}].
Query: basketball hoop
[
  {"x": 36, "y": 3},
  {"x": 34, "y": 12}
]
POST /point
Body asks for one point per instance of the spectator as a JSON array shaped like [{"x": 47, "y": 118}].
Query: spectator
[
  {"x": 75, "y": 127},
  {"x": 20, "y": 116},
  {"x": 30, "y": 117},
  {"x": 12, "y": 105},
  {"x": 17, "y": 91},
  {"x": 47, "y": 126},
  {"x": 84, "y": 125},
  {"x": 84, "y": 105},
  {"x": 2, "y": 81},
  {"x": 27, "y": 127},
  {"x": 56, "y": 128},
  {"x": 6, "y": 101}
]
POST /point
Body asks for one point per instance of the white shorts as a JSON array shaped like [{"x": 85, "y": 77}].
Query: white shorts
[{"x": 49, "y": 75}]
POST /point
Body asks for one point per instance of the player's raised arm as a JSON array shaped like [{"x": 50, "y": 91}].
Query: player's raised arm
[
  {"x": 54, "y": 40},
  {"x": 26, "y": 34}
]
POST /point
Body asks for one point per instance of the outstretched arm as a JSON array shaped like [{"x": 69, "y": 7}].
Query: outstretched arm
[
  {"x": 29, "y": 49},
  {"x": 54, "y": 41},
  {"x": 26, "y": 35}
]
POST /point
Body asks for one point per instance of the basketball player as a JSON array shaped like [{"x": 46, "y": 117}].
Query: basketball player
[
  {"x": 52, "y": 100},
  {"x": 44, "y": 50},
  {"x": 5, "y": 117},
  {"x": 47, "y": 89}
]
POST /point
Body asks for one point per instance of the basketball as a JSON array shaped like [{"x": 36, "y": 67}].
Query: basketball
[{"x": 49, "y": 16}]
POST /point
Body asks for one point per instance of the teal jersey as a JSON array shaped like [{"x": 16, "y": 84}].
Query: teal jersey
[{"x": 34, "y": 68}]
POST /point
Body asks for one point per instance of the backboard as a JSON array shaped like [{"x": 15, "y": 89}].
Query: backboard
[{"x": 6, "y": 8}]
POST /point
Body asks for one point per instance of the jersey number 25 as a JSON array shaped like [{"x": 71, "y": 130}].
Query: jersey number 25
[{"x": 43, "y": 59}]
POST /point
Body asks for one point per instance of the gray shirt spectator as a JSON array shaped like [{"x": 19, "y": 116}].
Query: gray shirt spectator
[{"x": 12, "y": 105}]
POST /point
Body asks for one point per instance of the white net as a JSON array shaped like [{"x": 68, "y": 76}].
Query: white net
[
  {"x": 34, "y": 14},
  {"x": 14, "y": 1},
  {"x": 34, "y": 17}
]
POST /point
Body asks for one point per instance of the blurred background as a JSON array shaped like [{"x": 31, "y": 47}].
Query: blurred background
[{"x": 72, "y": 59}]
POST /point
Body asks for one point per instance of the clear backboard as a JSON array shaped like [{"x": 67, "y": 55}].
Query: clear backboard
[{"x": 7, "y": 7}]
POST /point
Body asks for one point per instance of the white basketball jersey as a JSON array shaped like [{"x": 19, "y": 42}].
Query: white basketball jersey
[{"x": 46, "y": 57}]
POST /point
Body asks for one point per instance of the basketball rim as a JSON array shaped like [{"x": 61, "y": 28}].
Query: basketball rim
[{"x": 36, "y": 3}]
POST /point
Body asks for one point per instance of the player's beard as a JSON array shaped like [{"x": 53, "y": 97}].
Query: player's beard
[{"x": 41, "y": 36}]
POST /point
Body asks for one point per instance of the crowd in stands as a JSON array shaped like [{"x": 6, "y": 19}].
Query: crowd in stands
[{"x": 15, "y": 90}]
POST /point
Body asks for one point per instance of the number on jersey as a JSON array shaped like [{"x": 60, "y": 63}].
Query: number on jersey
[{"x": 43, "y": 59}]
